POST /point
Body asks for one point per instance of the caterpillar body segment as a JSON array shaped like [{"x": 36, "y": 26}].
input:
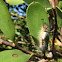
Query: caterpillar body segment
[{"x": 43, "y": 38}]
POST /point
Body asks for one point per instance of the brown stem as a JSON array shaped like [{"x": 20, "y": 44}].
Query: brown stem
[
  {"x": 54, "y": 3},
  {"x": 60, "y": 37},
  {"x": 7, "y": 43},
  {"x": 55, "y": 23},
  {"x": 29, "y": 52},
  {"x": 57, "y": 2},
  {"x": 61, "y": 31},
  {"x": 17, "y": 47},
  {"x": 55, "y": 28},
  {"x": 16, "y": 15},
  {"x": 25, "y": 51},
  {"x": 21, "y": 42}
]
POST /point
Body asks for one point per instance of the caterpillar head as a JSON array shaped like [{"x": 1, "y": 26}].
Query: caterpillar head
[{"x": 45, "y": 28}]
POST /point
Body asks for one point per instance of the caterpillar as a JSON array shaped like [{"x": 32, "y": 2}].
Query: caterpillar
[{"x": 43, "y": 38}]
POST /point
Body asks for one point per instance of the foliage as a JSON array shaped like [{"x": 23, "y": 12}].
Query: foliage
[
  {"x": 36, "y": 17},
  {"x": 13, "y": 2},
  {"x": 6, "y": 23},
  {"x": 23, "y": 31},
  {"x": 59, "y": 16},
  {"x": 14, "y": 55},
  {"x": 45, "y": 3}
]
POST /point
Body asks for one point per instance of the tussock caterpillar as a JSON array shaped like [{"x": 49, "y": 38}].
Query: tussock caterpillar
[{"x": 43, "y": 38}]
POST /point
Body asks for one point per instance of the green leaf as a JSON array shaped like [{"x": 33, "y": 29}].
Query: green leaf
[
  {"x": 36, "y": 18},
  {"x": 6, "y": 24},
  {"x": 60, "y": 4},
  {"x": 45, "y": 3},
  {"x": 59, "y": 17},
  {"x": 14, "y": 56},
  {"x": 15, "y": 2},
  {"x": 59, "y": 60}
]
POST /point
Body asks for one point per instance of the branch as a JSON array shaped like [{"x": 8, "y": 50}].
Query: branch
[
  {"x": 25, "y": 51},
  {"x": 29, "y": 52},
  {"x": 55, "y": 28},
  {"x": 20, "y": 42},
  {"x": 17, "y": 47},
  {"x": 7, "y": 43},
  {"x": 16, "y": 15},
  {"x": 54, "y": 3},
  {"x": 60, "y": 37}
]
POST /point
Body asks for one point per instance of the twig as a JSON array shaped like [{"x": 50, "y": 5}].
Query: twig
[
  {"x": 29, "y": 52},
  {"x": 57, "y": 54},
  {"x": 59, "y": 50},
  {"x": 20, "y": 42},
  {"x": 60, "y": 37},
  {"x": 25, "y": 51},
  {"x": 61, "y": 33},
  {"x": 57, "y": 2},
  {"x": 55, "y": 28},
  {"x": 53, "y": 3},
  {"x": 7, "y": 43},
  {"x": 17, "y": 47},
  {"x": 16, "y": 15}
]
